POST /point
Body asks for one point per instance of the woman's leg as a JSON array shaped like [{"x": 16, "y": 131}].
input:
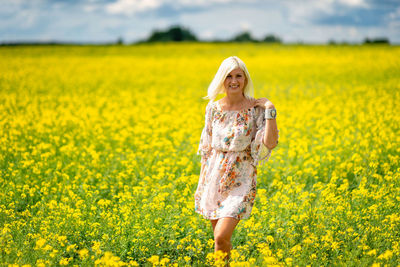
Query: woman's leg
[
  {"x": 214, "y": 223},
  {"x": 223, "y": 230}
]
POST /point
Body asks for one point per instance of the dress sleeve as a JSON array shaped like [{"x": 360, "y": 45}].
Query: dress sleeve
[
  {"x": 259, "y": 151},
  {"x": 206, "y": 135}
]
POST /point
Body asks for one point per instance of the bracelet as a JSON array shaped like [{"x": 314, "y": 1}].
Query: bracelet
[{"x": 270, "y": 113}]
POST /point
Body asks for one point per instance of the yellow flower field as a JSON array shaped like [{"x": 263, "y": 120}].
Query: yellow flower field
[{"x": 98, "y": 161}]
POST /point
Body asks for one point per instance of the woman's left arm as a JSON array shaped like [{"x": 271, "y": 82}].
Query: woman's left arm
[{"x": 271, "y": 129}]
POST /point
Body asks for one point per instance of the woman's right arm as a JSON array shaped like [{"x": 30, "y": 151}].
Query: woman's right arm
[{"x": 206, "y": 137}]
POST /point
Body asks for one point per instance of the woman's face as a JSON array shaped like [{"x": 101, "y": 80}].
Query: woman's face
[{"x": 235, "y": 82}]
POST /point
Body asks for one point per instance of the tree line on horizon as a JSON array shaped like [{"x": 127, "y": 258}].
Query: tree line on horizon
[{"x": 178, "y": 33}]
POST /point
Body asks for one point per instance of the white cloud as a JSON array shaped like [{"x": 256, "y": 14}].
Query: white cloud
[
  {"x": 245, "y": 26},
  {"x": 353, "y": 33},
  {"x": 224, "y": 22},
  {"x": 354, "y": 3},
  {"x": 27, "y": 18},
  {"x": 129, "y": 7},
  {"x": 302, "y": 14},
  {"x": 395, "y": 14},
  {"x": 89, "y": 7},
  {"x": 207, "y": 35},
  {"x": 200, "y": 2},
  {"x": 20, "y": 14}
]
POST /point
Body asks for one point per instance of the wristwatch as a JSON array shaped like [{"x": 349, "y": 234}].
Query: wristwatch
[{"x": 270, "y": 113}]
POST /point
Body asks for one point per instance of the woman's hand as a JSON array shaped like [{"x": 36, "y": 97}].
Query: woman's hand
[{"x": 264, "y": 103}]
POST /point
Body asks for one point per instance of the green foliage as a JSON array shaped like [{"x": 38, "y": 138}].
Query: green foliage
[{"x": 173, "y": 34}]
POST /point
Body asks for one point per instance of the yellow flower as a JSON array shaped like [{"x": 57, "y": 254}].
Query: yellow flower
[
  {"x": 47, "y": 248},
  {"x": 71, "y": 247},
  {"x": 386, "y": 255},
  {"x": 289, "y": 261},
  {"x": 234, "y": 254},
  {"x": 133, "y": 263},
  {"x": 109, "y": 259},
  {"x": 295, "y": 249},
  {"x": 83, "y": 253},
  {"x": 270, "y": 260},
  {"x": 62, "y": 239},
  {"x": 335, "y": 245},
  {"x": 54, "y": 253},
  {"x": 65, "y": 261},
  {"x": 155, "y": 259},
  {"x": 41, "y": 263},
  {"x": 96, "y": 247},
  {"x": 40, "y": 243},
  {"x": 164, "y": 261}
]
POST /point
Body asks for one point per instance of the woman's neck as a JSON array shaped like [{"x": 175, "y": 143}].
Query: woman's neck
[{"x": 234, "y": 100}]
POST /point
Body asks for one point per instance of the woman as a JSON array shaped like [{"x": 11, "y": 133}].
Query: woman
[{"x": 239, "y": 132}]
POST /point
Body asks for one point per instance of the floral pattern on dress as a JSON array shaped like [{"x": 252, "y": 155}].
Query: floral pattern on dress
[{"x": 231, "y": 148}]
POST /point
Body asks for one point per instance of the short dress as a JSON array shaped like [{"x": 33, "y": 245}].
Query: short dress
[{"x": 230, "y": 147}]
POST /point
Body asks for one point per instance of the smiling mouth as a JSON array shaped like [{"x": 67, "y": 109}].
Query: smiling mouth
[{"x": 234, "y": 86}]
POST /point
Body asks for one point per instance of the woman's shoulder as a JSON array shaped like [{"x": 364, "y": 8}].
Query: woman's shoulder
[
  {"x": 211, "y": 104},
  {"x": 211, "y": 107}
]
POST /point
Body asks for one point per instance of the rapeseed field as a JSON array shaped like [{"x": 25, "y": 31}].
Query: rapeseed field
[{"x": 98, "y": 161}]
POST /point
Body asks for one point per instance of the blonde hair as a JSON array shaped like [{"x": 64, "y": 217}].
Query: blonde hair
[{"x": 216, "y": 86}]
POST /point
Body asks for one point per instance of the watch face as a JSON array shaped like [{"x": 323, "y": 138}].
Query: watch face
[{"x": 273, "y": 113}]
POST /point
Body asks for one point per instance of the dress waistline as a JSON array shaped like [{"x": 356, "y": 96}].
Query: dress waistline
[{"x": 247, "y": 150}]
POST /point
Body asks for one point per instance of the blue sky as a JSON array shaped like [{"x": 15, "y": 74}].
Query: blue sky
[{"x": 315, "y": 21}]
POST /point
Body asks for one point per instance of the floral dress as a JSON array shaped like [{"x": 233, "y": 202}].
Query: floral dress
[{"x": 230, "y": 148}]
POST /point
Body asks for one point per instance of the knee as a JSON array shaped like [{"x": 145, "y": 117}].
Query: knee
[{"x": 221, "y": 241}]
